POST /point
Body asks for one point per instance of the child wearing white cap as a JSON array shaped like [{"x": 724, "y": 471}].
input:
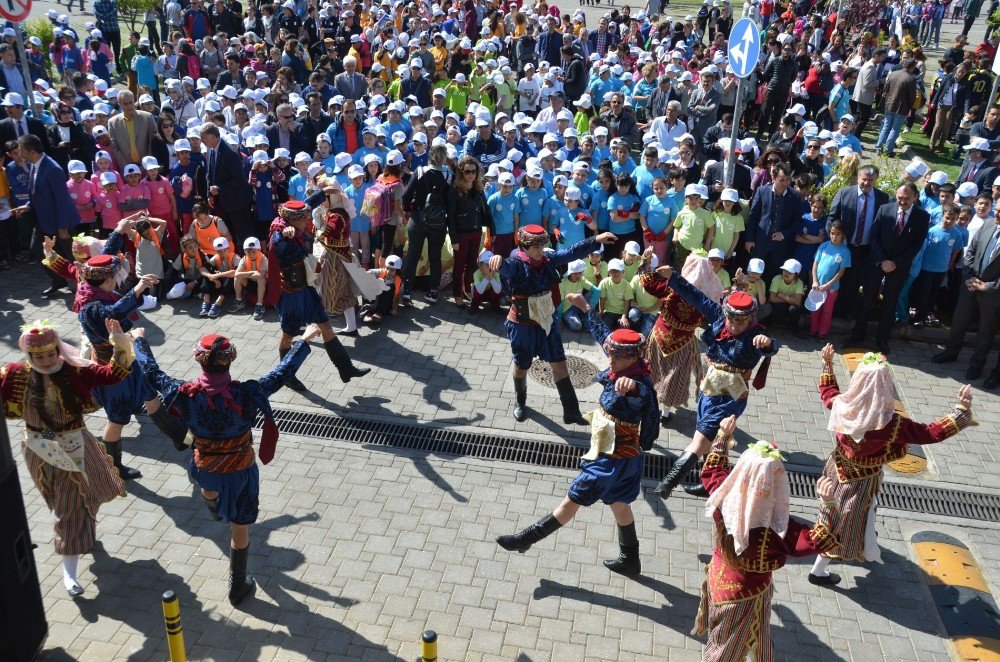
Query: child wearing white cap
[
  {"x": 694, "y": 226},
  {"x": 572, "y": 283},
  {"x": 224, "y": 263},
  {"x": 387, "y": 303},
  {"x": 787, "y": 293},
  {"x": 504, "y": 205},
  {"x": 252, "y": 268},
  {"x": 162, "y": 203},
  {"x": 595, "y": 269},
  {"x": 83, "y": 193},
  {"x": 812, "y": 233},
  {"x": 756, "y": 287},
  {"x": 268, "y": 184},
  {"x": 486, "y": 286},
  {"x": 361, "y": 225},
  {"x": 134, "y": 193},
  {"x": 108, "y": 202},
  {"x": 631, "y": 257},
  {"x": 616, "y": 296},
  {"x": 728, "y": 215}
]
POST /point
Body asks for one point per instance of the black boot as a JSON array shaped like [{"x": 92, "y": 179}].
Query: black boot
[
  {"x": 696, "y": 490},
  {"x": 170, "y": 426},
  {"x": 676, "y": 475},
  {"x": 521, "y": 397},
  {"x": 293, "y": 381},
  {"x": 570, "y": 405},
  {"x": 343, "y": 362},
  {"x": 115, "y": 451},
  {"x": 240, "y": 586},
  {"x": 523, "y": 540},
  {"x": 213, "y": 507},
  {"x": 627, "y": 562}
]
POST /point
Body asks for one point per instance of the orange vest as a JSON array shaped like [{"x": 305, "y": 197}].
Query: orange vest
[
  {"x": 206, "y": 236},
  {"x": 251, "y": 265}
]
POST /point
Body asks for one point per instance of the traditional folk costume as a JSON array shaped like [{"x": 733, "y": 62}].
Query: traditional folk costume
[
  {"x": 221, "y": 414},
  {"x": 731, "y": 359},
  {"x": 870, "y": 434},
  {"x": 621, "y": 428},
  {"x": 533, "y": 330},
  {"x": 125, "y": 398},
  {"x": 672, "y": 349},
  {"x": 754, "y": 537},
  {"x": 300, "y": 304},
  {"x": 69, "y": 467}
]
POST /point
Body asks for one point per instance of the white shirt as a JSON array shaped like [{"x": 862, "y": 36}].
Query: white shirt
[{"x": 667, "y": 135}]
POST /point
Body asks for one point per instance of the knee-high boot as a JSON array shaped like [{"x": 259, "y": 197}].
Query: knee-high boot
[
  {"x": 520, "y": 399},
  {"x": 627, "y": 562},
  {"x": 523, "y": 540},
  {"x": 343, "y": 362},
  {"x": 240, "y": 586},
  {"x": 175, "y": 430},
  {"x": 293, "y": 381},
  {"x": 684, "y": 463},
  {"x": 570, "y": 405},
  {"x": 115, "y": 451}
]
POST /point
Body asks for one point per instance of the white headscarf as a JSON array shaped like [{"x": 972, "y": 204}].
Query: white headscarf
[
  {"x": 869, "y": 402},
  {"x": 754, "y": 495}
]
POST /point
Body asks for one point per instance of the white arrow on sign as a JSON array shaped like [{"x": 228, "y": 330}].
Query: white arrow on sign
[{"x": 739, "y": 52}]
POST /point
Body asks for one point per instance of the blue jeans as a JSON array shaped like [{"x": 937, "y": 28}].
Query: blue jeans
[
  {"x": 891, "y": 125},
  {"x": 573, "y": 318}
]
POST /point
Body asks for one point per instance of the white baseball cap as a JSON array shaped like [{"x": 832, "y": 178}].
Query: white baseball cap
[
  {"x": 506, "y": 179},
  {"x": 756, "y": 266},
  {"x": 967, "y": 190},
  {"x": 394, "y": 158},
  {"x": 792, "y": 266},
  {"x": 249, "y": 242},
  {"x": 394, "y": 262},
  {"x": 75, "y": 166},
  {"x": 717, "y": 253},
  {"x": 575, "y": 267},
  {"x": 939, "y": 177},
  {"x": 730, "y": 195},
  {"x": 616, "y": 264},
  {"x": 633, "y": 248},
  {"x": 220, "y": 243},
  {"x": 132, "y": 169},
  {"x": 149, "y": 162},
  {"x": 109, "y": 178},
  {"x": 573, "y": 193}
]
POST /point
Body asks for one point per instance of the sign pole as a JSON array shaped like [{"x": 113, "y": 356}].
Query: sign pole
[
  {"x": 29, "y": 86},
  {"x": 730, "y": 167}
]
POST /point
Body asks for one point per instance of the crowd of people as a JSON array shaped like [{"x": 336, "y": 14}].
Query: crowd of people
[{"x": 331, "y": 161}]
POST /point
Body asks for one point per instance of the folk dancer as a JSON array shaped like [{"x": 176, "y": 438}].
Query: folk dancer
[
  {"x": 870, "y": 434},
  {"x": 51, "y": 390},
  {"x": 531, "y": 282},
  {"x": 754, "y": 536},
  {"x": 221, "y": 413},
  {"x": 625, "y": 424}
]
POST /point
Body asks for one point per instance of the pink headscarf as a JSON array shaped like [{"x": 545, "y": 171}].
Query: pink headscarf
[
  {"x": 697, "y": 270},
  {"x": 869, "y": 402},
  {"x": 754, "y": 495}
]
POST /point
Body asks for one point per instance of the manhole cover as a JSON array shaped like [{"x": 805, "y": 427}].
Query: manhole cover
[{"x": 581, "y": 372}]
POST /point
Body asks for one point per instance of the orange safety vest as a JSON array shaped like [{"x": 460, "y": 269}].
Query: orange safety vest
[
  {"x": 251, "y": 265},
  {"x": 206, "y": 236},
  {"x": 397, "y": 282},
  {"x": 186, "y": 260}
]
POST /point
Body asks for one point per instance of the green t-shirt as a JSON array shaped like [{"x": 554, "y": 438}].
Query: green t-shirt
[
  {"x": 692, "y": 224},
  {"x": 645, "y": 301},
  {"x": 457, "y": 99},
  {"x": 727, "y": 282},
  {"x": 631, "y": 269},
  {"x": 594, "y": 273},
  {"x": 757, "y": 289},
  {"x": 779, "y": 286},
  {"x": 566, "y": 286},
  {"x": 726, "y": 227},
  {"x": 614, "y": 295}
]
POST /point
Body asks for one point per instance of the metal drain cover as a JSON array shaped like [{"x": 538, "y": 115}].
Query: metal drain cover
[{"x": 581, "y": 372}]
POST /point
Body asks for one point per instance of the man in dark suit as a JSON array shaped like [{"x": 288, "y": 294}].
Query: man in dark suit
[
  {"x": 233, "y": 75},
  {"x": 897, "y": 235},
  {"x": 715, "y": 176},
  {"x": 847, "y": 207},
  {"x": 228, "y": 190},
  {"x": 49, "y": 203},
  {"x": 286, "y": 132},
  {"x": 775, "y": 216},
  {"x": 977, "y": 167},
  {"x": 350, "y": 83},
  {"x": 17, "y": 124},
  {"x": 980, "y": 294}
]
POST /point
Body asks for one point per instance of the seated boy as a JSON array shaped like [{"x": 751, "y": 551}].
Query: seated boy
[
  {"x": 251, "y": 268},
  {"x": 787, "y": 292}
]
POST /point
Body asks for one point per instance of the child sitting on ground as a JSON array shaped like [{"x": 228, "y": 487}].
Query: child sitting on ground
[
  {"x": 192, "y": 267},
  {"x": 616, "y": 296},
  {"x": 387, "y": 303},
  {"x": 594, "y": 268},
  {"x": 150, "y": 258},
  {"x": 251, "y": 268},
  {"x": 756, "y": 287},
  {"x": 787, "y": 292},
  {"x": 224, "y": 263},
  {"x": 485, "y": 286},
  {"x": 576, "y": 282},
  {"x": 717, "y": 258}
]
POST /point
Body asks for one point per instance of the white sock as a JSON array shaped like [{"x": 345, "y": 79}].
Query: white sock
[
  {"x": 820, "y": 567},
  {"x": 69, "y": 570},
  {"x": 350, "y": 319}
]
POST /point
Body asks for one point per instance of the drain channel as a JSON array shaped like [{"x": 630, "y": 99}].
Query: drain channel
[{"x": 427, "y": 439}]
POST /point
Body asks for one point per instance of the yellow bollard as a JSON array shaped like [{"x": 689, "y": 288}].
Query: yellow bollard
[
  {"x": 175, "y": 633},
  {"x": 429, "y": 646}
]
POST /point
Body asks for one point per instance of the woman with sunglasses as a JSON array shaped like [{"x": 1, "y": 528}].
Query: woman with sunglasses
[{"x": 468, "y": 214}]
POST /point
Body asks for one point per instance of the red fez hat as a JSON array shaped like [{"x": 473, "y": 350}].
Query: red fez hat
[
  {"x": 295, "y": 205},
  {"x": 534, "y": 229},
  {"x": 626, "y": 337},
  {"x": 740, "y": 302},
  {"x": 100, "y": 261},
  {"x": 208, "y": 340}
]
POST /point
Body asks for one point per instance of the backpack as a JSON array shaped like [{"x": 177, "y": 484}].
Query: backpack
[
  {"x": 433, "y": 215},
  {"x": 377, "y": 204}
]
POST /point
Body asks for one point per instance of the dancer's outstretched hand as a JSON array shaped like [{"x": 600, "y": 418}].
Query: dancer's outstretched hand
[
  {"x": 137, "y": 332},
  {"x": 624, "y": 385},
  {"x": 113, "y": 326},
  {"x": 311, "y": 332},
  {"x": 605, "y": 238},
  {"x": 665, "y": 272},
  {"x": 965, "y": 396},
  {"x": 578, "y": 300},
  {"x": 727, "y": 426},
  {"x": 827, "y": 353},
  {"x": 825, "y": 488}
]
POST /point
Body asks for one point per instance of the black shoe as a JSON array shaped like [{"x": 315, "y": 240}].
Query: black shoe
[
  {"x": 696, "y": 490},
  {"x": 237, "y": 306},
  {"x": 684, "y": 463},
  {"x": 973, "y": 373},
  {"x": 992, "y": 381},
  {"x": 628, "y": 562},
  {"x": 52, "y": 291},
  {"x": 523, "y": 540},
  {"x": 944, "y": 357},
  {"x": 570, "y": 404},
  {"x": 240, "y": 586},
  {"x": 350, "y": 334},
  {"x": 431, "y": 296},
  {"x": 520, "y": 399},
  {"x": 345, "y": 368},
  {"x": 830, "y": 580},
  {"x": 115, "y": 451}
]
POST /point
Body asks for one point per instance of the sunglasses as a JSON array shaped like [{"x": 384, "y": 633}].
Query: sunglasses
[{"x": 469, "y": 172}]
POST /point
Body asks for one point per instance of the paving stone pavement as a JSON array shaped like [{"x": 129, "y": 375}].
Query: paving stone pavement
[{"x": 360, "y": 549}]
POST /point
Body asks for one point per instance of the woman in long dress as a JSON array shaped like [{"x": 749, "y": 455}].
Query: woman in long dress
[
  {"x": 51, "y": 390},
  {"x": 332, "y": 221}
]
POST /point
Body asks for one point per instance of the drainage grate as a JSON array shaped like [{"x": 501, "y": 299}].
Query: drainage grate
[
  {"x": 427, "y": 439},
  {"x": 581, "y": 372}
]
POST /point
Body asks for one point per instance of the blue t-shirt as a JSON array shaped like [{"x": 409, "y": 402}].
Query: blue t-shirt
[
  {"x": 359, "y": 156},
  {"x": 676, "y": 200},
  {"x": 644, "y": 180},
  {"x": 804, "y": 252},
  {"x": 530, "y": 202},
  {"x": 830, "y": 259},
  {"x": 618, "y": 202},
  {"x": 503, "y": 208},
  {"x": 297, "y": 188},
  {"x": 571, "y": 229},
  {"x": 599, "y": 207},
  {"x": 628, "y": 168},
  {"x": 359, "y": 223},
  {"x": 939, "y": 246},
  {"x": 658, "y": 213}
]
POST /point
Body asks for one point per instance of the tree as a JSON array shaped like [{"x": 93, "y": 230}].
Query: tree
[{"x": 133, "y": 12}]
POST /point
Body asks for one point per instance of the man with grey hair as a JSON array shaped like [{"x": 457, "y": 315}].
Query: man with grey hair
[
  {"x": 350, "y": 83},
  {"x": 668, "y": 128},
  {"x": 227, "y": 185},
  {"x": 286, "y": 132},
  {"x": 131, "y": 131}
]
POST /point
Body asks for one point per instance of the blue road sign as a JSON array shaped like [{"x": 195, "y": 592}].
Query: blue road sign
[{"x": 744, "y": 47}]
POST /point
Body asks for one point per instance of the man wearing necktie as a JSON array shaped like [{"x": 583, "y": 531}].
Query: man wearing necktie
[
  {"x": 977, "y": 168},
  {"x": 228, "y": 190},
  {"x": 980, "y": 294},
  {"x": 896, "y": 236},
  {"x": 18, "y": 124}
]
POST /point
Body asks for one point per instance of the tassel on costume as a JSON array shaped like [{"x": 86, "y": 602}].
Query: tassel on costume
[{"x": 760, "y": 380}]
